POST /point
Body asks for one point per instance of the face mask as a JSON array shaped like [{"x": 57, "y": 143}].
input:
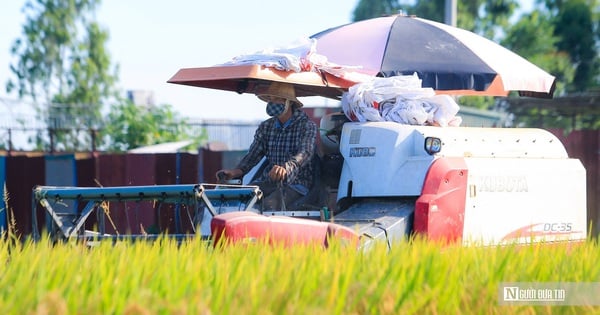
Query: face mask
[{"x": 275, "y": 109}]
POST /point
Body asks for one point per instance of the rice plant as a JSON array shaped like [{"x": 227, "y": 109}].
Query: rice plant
[{"x": 192, "y": 277}]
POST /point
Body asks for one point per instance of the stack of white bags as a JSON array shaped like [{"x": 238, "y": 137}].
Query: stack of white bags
[{"x": 399, "y": 99}]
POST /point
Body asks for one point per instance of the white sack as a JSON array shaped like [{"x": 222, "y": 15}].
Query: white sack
[{"x": 400, "y": 99}]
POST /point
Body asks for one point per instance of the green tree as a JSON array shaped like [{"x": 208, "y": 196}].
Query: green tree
[
  {"x": 366, "y": 9},
  {"x": 532, "y": 36},
  {"x": 130, "y": 126},
  {"x": 576, "y": 29},
  {"x": 495, "y": 18},
  {"x": 558, "y": 48},
  {"x": 61, "y": 59}
]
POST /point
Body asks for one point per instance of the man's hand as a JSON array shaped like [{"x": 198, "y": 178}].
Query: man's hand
[{"x": 278, "y": 173}]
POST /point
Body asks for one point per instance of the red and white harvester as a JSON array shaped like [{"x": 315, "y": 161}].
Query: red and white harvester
[{"x": 454, "y": 184}]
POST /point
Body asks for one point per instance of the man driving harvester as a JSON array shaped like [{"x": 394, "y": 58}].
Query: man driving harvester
[{"x": 287, "y": 140}]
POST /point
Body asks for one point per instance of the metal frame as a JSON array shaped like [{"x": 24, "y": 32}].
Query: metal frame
[
  {"x": 295, "y": 213},
  {"x": 70, "y": 224}
]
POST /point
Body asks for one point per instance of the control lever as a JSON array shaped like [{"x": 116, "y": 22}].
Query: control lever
[{"x": 221, "y": 179}]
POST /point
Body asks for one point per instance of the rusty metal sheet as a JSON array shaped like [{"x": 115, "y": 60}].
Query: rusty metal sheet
[
  {"x": 3, "y": 217},
  {"x": 190, "y": 166},
  {"x": 255, "y": 79},
  {"x": 23, "y": 173}
]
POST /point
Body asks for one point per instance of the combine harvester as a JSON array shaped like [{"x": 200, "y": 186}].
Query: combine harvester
[
  {"x": 456, "y": 184},
  {"x": 453, "y": 184}
]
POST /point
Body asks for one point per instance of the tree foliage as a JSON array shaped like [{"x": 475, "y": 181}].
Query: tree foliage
[
  {"x": 577, "y": 35},
  {"x": 130, "y": 126},
  {"x": 533, "y": 37},
  {"x": 61, "y": 59},
  {"x": 62, "y": 65},
  {"x": 366, "y": 9}
]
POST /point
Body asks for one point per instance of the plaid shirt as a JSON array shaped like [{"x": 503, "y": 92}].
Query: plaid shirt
[{"x": 291, "y": 145}]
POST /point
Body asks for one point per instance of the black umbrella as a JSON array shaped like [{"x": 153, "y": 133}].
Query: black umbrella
[{"x": 445, "y": 58}]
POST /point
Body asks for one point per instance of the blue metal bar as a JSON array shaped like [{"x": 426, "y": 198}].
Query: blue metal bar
[
  {"x": 173, "y": 193},
  {"x": 135, "y": 237},
  {"x": 84, "y": 215},
  {"x": 117, "y": 192},
  {"x": 55, "y": 217}
]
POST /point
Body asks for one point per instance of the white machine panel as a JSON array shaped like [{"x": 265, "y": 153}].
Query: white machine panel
[
  {"x": 389, "y": 159},
  {"x": 382, "y": 159},
  {"x": 521, "y": 200}
]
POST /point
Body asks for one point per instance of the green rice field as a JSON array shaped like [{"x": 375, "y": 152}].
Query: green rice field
[{"x": 165, "y": 277}]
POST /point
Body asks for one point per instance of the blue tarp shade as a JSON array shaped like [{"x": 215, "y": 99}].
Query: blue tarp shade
[{"x": 3, "y": 210}]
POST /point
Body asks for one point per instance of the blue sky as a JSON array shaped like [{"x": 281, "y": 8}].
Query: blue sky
[{"x": 151, "y": 40}]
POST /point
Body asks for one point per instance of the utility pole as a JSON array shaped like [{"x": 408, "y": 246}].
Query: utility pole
[{"x": 450, "y": 12}]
